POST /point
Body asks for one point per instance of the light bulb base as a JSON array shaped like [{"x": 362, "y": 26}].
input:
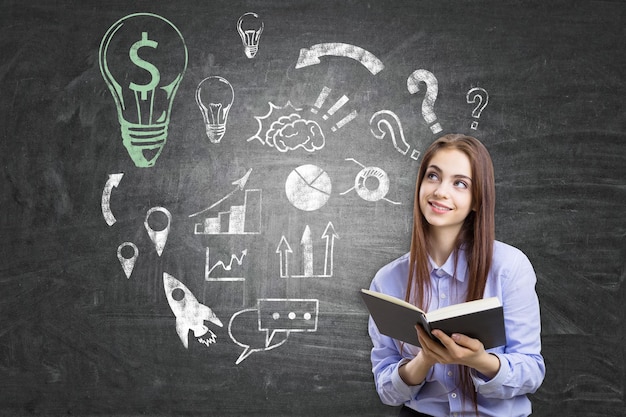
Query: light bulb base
[
  {"x": 144, "y": 143},
  {"x": 215, "y": 132},
  {"x": 251, "y": 50}
]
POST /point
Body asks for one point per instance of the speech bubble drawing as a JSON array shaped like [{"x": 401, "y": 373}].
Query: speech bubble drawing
[
  {"x": 287, "y": 315},
  {"x": 432, "y": 89},
  {"x": 481, "y": 97},
  {"x": 260, "y": 327}
]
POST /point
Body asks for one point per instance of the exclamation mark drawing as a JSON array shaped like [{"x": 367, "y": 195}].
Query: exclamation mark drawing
[
  {"x": 320, "y": 99},
  {"x": 344, "y": 121},
  {"x": 339, "y": 104}
]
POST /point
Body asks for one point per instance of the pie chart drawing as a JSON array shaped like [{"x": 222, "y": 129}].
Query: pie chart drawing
[{"x": 308, "y": 187}]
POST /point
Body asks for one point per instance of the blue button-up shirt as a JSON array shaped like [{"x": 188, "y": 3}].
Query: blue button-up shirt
[{"x": 511, "y": 279}]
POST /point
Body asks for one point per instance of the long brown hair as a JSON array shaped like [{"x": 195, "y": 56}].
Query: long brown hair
[{"x": 476, "y": 236}]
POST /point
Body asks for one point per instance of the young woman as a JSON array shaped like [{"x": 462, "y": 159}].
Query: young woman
[{"x": 454, "y": 257}]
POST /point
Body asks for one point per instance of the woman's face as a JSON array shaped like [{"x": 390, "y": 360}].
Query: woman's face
[{"x": 445, "y": 196}]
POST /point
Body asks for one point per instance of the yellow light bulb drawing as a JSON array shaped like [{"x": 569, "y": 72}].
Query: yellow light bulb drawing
[
  {"x": 250, "y": 31},
  {"x": 214, "y": 97},
  {"x": 143, "y": 58}
]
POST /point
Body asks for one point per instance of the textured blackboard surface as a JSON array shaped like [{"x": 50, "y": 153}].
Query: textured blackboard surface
[{"x": 79, "y": 337}]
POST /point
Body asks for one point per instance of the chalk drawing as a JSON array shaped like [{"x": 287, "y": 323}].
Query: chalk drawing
[
  {"x": 285, "y": 129},
  {"x": 128, "y": 264},
  {"x": 288, "y": 131},
  {"x": 143, "y": 88},
  {"x": 190, "y": 314},
  {"x": 370, "y": 175},
  {"x": 385, "y": 123},
  {"x": 112, "y": 182},
  {"x": 308, "y": 187},
  {"x": 311, "y": 55},
  {"x": 158, "y": 237},
  {"x": 224, "y": 267},
  {"x": 480, "y": 96},
  {"x": 306, "y": 242},
  {"x": 250, "y": 28},
  {"x": 237, "y": 219},
  {"x": 432, "y": 89},
  {"x": 224, "y": 274},
  {"x": 214, "y": 97},
  {"x": 273, "y": 316}
]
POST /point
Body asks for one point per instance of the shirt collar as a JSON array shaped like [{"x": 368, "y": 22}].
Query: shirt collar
[{"x": 449, "y": 268}]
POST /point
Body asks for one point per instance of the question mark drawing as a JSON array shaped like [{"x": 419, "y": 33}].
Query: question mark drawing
[
  {"x": 481, "y": 96},
  {"x": 386, "y": 123},
  {"x": 432, "y": 89}
]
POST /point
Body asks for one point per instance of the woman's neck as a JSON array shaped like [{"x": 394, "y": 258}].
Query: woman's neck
[{"x": 441, "y": 243}]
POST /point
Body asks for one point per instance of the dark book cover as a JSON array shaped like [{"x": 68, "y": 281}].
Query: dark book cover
[{"x": 397, "y": 319}]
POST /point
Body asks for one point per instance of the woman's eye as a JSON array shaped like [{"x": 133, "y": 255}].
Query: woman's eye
[
  {"x": 461, "y": 184},
  {"x": 432, "y": 176}
]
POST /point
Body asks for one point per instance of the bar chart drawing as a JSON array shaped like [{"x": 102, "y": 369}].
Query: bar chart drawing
[{"x": 243, "y": 219}]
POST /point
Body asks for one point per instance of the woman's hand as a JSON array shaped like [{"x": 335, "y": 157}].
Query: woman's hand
[{"x": 458, "y": 349}]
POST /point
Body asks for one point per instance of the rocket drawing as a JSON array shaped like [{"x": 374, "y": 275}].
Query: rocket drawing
[{"x": 190, "y": 314}]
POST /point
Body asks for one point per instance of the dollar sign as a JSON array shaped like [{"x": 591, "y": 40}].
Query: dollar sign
[{"x": 154, "y": 72}]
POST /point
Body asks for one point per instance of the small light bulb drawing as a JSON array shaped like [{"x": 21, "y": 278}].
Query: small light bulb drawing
[
  {"x": 215, "y": 96},
  {"x": 250, "y": 32},
  {"x": 143, "y": 58}
]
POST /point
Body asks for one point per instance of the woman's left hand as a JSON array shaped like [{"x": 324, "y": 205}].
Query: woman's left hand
[{"x": 458, "y": 349}]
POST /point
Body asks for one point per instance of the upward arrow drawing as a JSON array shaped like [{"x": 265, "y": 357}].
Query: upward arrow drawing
[
  {"x": 307, "y": 252},
  {"x": 330, "y": 235},
  {"x": 282, "y": 249},
  {"x": 239, "y": 186}
]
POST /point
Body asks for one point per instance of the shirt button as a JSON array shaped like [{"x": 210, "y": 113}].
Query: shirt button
[
  {"x": 449, "y": 373},
  {"x": 453, "y": 395},
  {"x": 440, "y": 272},
  {"x": 442, "y": 296}
]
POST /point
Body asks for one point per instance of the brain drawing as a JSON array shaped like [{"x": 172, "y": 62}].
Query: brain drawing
[{"x": 292, "y": 132}]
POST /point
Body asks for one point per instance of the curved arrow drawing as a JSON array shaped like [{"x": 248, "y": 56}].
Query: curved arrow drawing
[
  {"x": 367, "y": 59},
  {"x": 113, "y": 181}
]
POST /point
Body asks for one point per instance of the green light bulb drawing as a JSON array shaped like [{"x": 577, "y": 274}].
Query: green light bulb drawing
[{"x": 143, "y": 58}]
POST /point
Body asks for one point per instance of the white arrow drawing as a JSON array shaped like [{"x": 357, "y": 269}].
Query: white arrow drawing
[
  {"x": 311, "y": 55},
  {"x": 282, "y": 249},
  {"x": 307, "y": 253},
  {"x": 239, "y": 186},
  {"x": 330, "y": 235},
  {"x": 112, "y": 182}
]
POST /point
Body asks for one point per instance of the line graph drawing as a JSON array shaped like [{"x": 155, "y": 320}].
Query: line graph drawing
[
  {"x": 208, "y": 269},
  {"x": 226, "y": 279}
]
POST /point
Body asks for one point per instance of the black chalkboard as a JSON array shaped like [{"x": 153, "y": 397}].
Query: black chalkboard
[{"x": 214, "y": 270}]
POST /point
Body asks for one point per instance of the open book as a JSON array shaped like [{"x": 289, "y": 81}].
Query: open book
[{"x": 479, "y": 319}]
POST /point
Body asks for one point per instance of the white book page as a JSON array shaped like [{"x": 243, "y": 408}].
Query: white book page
[{"x": 463, "y": 308}]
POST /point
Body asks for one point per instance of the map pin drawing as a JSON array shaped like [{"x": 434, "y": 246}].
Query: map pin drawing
[
  {"x": 128, "y": 264},
  {"x": 158, "y": 237}
]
